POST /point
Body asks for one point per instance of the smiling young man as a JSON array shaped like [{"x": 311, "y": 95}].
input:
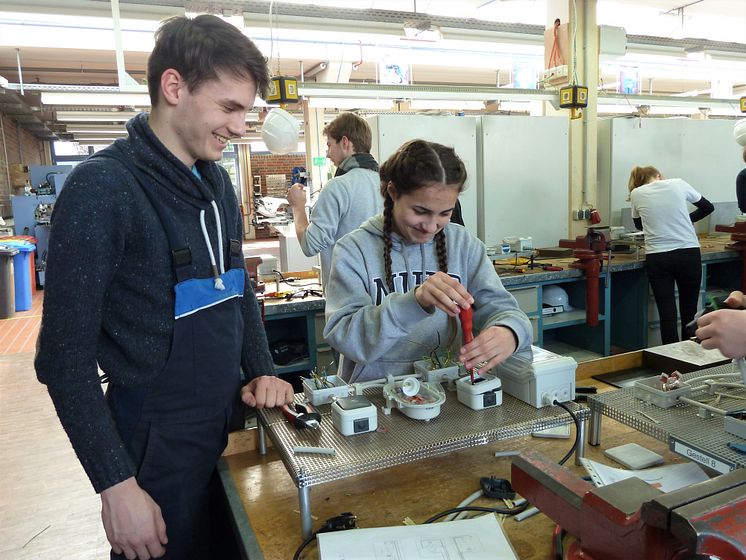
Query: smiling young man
[
  {"x": 145, "y": 280},
  {"x": 347, "y": 200}
]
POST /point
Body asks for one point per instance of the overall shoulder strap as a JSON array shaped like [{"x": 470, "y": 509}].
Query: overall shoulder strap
[{"x": 181, "y": 254}]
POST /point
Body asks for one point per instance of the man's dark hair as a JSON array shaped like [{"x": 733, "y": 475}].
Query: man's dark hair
[
  {"x": 201, "y": 47},
  {"x": 352, "y": 126}
]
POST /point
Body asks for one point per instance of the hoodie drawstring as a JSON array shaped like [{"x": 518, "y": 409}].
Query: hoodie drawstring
[{"x": 215, "y": 272}]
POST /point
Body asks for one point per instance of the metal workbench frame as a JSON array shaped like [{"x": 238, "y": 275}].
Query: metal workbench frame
[
  {"x": 400, "y": 439},
  {"x": 682, "y": 427}
]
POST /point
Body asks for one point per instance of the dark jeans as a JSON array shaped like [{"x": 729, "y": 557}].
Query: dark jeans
[{"x": 684, "y": 268}]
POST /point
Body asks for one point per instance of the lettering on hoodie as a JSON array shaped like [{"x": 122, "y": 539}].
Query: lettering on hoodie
[{"x": 402, "y": 282}]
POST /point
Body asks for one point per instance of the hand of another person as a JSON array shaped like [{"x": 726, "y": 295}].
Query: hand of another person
[
  {"x": 133, "y": 522},
  {"x": 724, "y": 329},
  {"x": 444, "y": 292},
  {"x": 736, "y": 299},
  {"x": 296, "y": 196},
  {"x": 267, "y": 391},
  {"x": 493, "y": 345}
]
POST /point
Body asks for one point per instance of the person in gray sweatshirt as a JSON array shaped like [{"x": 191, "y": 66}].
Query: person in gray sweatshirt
[
  {"x": 346, "y": 201},
  {"x": 397, "y": 284}
]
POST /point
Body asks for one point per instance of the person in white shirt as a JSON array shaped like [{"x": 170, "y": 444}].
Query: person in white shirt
[{"x": 659, "y": 209}]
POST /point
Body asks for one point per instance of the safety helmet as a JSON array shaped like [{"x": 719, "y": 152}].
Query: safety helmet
[
  {"x": 280, "y": 131},
  {"x": 739, "y": 131},
  {"x": 553, "y": 296}
]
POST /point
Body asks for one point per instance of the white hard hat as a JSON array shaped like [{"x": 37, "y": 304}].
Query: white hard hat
[
  {"x": 280, "y": 131},
  {"x": 554, "y": 296},
  {"x": 739, "y": 131}
]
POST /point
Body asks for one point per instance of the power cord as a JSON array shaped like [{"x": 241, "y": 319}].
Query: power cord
[
  {"x": 341, "y": 522},
  {"x": 577, "y": 430},
  {"x": 505, "y": 511}
]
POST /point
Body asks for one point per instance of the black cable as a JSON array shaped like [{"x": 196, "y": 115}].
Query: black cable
[
  {"x": 577, "y": 431},
  {"x": 341, "y": 522},
  {"x": 559, "y": 537},
  {"x": 303, "y": 545},
  {"x": 506, "y": 511}
]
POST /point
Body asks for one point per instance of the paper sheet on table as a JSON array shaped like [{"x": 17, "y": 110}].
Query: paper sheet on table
[
  {"x": 667, "y": 478},
  {"x": 469, "y": 539}
]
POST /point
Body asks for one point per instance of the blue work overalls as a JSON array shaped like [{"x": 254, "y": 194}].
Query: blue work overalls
[{"x": 176, "y": 428}]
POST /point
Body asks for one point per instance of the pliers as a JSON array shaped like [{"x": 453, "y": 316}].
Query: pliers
[{"x": 302, "y": 416}]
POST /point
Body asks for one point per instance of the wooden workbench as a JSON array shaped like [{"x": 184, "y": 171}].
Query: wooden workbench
[{"x": 267, "y": 499}]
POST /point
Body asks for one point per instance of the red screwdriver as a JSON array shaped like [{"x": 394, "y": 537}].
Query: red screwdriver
[{"x": 465, "y": 315}]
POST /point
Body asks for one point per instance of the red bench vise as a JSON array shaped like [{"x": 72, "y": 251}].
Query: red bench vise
[
  {"x": 632, "y": 519},
  {"x": 589, "y": 250}
]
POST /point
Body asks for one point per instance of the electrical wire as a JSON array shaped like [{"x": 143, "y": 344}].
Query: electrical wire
[
  {"x": 577, "y": 431},
  {"x": 303, "y": 545},
  {"x": 558, "y": 536},
  {"x": 504, "y": 511},
  {"x": 476, "y": 495}
]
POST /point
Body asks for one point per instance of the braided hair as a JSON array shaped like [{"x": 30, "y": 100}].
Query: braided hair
[{"x": 414, "y": 165}]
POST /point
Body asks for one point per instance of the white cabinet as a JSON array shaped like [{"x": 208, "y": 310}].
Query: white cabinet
[{"x": 524, "y": 179}]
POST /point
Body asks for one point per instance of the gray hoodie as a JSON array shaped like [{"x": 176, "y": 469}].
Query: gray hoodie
[{"x": 380, "y": 333}]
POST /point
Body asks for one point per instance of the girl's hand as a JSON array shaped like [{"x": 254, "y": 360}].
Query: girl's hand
[
  {"x": 443, "y": 292},
  {"x": 493, "y": 345}
]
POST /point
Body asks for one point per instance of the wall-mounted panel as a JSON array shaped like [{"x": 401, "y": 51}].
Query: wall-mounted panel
[
  {"x": 524, "y": 179},
  {"x": 703, "y": 153}
]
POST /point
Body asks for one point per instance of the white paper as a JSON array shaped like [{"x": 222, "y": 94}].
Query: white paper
[
  {"x": 667, "y": 478},
  {"x": 468, "y": 539}
]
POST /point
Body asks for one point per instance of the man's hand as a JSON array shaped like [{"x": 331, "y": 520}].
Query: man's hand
[
  {"x": 297, "y": 199},
  {"x": 267, "y": 391},
  {"x": 133, "y": 522},
  {"x": 493, "y": 345},
  {"x": 444, "y": 292}
]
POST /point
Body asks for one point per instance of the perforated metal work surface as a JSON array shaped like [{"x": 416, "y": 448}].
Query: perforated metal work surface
[
  {"x": 400, "y": 439},
  {"x": 680, "y": 421}
]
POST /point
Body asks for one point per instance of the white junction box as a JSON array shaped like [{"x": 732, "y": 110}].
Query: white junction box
[
  {"x": 354, "y": 415},
  {"x": 540, "y": 379},
  {"x": 483, "y": 393}
]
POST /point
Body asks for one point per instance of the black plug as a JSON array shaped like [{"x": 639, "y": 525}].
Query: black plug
[
  {"x": 341, "y": 522},
  {"x": 497, "y": 488}
]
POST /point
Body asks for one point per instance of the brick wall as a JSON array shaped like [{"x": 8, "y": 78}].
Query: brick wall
[
  {"x": 272, "y": 164},
  {"x": 20, "y": 146}
]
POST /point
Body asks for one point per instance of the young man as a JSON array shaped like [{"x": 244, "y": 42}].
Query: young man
[
  {"x": 346, "y": 201},
  {"x": 145, "y": 280}
]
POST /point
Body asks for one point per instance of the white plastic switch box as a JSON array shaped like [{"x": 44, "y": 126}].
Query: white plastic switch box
[{"x": 540, "y": 378}]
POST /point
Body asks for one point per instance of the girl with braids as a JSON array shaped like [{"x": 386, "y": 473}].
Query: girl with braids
[
  {"x": 398, "y": 282},
  {"x": 660, "y": 209}
]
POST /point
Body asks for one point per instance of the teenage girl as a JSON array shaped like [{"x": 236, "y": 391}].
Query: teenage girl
[
  {"x": 659, "y": 209},
  {"x": 398, "y": 283}
]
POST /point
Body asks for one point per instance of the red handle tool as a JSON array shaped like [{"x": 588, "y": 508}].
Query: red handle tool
[
  {"x": 466, "y": 315},
  {"x": 301, "y": 415}
]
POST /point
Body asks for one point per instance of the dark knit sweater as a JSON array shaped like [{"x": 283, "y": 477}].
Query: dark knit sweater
[{"x": 109, "y": 292}]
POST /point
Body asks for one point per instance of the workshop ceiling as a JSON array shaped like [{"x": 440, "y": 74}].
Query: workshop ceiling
[{"x": 483, "y": 44}]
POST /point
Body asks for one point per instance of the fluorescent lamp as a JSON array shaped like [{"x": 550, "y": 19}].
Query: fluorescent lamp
[
  {"x": 93, "y": 116},
  {"x": 445, "y": 104},
  {"x": 104, "y": 132},
  {"x": 95, "y": 99},
  {"x": 345, "y": 103},
  {"x": 379, "y": 91}
]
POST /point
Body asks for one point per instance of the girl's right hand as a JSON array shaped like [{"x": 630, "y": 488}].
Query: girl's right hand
[{"x": 444, "y": 292}]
